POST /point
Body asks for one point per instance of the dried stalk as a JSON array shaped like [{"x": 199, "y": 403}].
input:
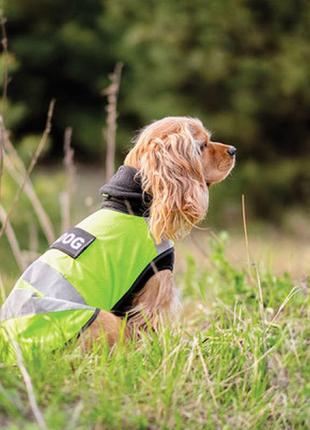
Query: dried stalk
[
  {"x": 5, "y": 79},
  {"x": 245, "y": 232},
  {"x": 112, "y": 93},
  {"x": 33, "y": 237},
  {"x": 2, "y": 290},
  {"x": 33, "y": 162},
  {"x": 75, "y": 415},
  {"x": 28, "y": 384},
  {"x": 291, "y": 294},
  {"x": 19, "y": 177},
  {"x": 260, "y": 297},
  {"x": 246, "y": 238},
  {"x": 32, "y": 253},
  {"x": 66, "y": 196},
  {"x": 210, "y": 384},
  {"x": 11, "y": 236},
  {"x": 4, "y": 43},
  {"x": 2, "y": 134}
]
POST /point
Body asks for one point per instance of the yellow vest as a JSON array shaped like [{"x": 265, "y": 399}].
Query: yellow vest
[{"x": 99, "y": 264}]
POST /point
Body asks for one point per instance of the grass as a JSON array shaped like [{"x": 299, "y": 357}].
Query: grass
[{"x": 236, "y": 359}]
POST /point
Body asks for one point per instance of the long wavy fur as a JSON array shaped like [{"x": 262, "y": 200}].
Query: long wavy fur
[{"x": 168, "y": 159}]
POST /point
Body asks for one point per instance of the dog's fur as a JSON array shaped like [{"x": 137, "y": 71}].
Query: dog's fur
[{"x": 177, "y": 162}]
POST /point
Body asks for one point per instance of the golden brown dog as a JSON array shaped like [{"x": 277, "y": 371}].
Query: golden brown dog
[{"x": 177, "y": 162}]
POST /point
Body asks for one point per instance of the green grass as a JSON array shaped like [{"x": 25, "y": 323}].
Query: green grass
[{"x": 230, "y": 362}]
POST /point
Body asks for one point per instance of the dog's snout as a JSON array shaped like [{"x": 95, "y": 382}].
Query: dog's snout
[{"x": 232, "y": 151}]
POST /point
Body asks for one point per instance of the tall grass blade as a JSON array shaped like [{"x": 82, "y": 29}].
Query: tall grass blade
[
  {"x": 112, "y": 93},
  {"x": 32, "y": 163}
]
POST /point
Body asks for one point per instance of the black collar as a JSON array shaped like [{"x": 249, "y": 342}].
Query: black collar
[{"x": 123, "y": 193}]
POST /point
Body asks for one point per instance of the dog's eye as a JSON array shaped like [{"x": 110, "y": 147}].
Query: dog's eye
[{"x": 203, "y": 145}]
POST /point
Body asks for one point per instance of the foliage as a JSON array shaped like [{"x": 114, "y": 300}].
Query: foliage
[
  {"x": 221, "y": 366},
  {"x": 240, "y": 66},
  {"x": 246, "y": 76}
]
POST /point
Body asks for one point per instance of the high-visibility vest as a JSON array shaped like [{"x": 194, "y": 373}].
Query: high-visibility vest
[{"x": 96, "y": 265}]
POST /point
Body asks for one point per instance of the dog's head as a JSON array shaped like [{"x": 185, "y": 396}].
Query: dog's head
[{"x": 177, "y": 161}]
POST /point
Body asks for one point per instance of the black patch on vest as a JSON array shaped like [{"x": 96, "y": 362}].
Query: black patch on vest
[{"x": 73, "y": 242}]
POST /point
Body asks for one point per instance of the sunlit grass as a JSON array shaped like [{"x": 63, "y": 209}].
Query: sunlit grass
[{"x": 230, "y": 362}]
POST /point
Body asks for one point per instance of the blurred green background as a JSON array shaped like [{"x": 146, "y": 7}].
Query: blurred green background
[{"x": 242, "y": 66}]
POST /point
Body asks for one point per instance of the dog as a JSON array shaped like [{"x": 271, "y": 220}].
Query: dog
[{"x": 113, "y": 272}]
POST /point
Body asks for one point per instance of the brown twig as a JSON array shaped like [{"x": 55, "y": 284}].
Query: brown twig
[
  {"x": 2, "y": 290},
  {"x": 2, "y": 134},
  {"x": 33, "y": 244},
  {"x": 11, "y": 236},
  {"x": 112, "y": 93},
  {"x": 18, "y": 175},
  {"x": 291, "y": 294},
  {"x": 66, "y": 196},
  {"x": 72, "y": 424},
  {"x": 4, "y": 43},
  {"x": 32, "y": 163},
  {"x": 246, "y": 238},
  {"x": 28, "y": 384},
  {"x": 260, "y": 297}
]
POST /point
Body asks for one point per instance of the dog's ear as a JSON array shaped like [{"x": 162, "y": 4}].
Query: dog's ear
[{"x": 171, "y": 172}]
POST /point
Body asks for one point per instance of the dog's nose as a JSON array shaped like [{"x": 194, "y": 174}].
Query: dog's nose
[{"x": 232, "y": 151}]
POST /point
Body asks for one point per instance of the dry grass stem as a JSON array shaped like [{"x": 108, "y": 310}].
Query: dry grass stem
[
  {"x": 231, "y": 312},
  {"x": 5, "y": 78},
  {"x": 2, "y": 290},
  {"x": 112, "y": 93},
  {"x": 206, "y": 372},
  {"x": 11, "y": 236},
  {"x": 32, "y": 253},
  {"x": 66, "y": 196},
  {"x": 260, "y": 297},
  {"x": 166, "y": 359},
  {"x": 28, "y": 384},
  {"x": 252, "y": 366},
  {"x": 32, "y": 163},
  {"x": 19, "y": 176},
  {"x": 72, "y": 425},
  {"x": 4, "y": 43},
  {"x": 246, "y": 238},
  {"x": 33, "y": 237},
  {"x": 291, "y": 294},
  {"x": 2, "y": 134}
]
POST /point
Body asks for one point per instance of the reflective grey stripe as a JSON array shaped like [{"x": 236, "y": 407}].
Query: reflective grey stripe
[
  {"x": 23, "y": 302},
  {"x": 163, "y": 246},
  {"x": 51, "y": 283},
  {"x": 59, "y": 294},
  {"x": 14, "y": 303}
]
